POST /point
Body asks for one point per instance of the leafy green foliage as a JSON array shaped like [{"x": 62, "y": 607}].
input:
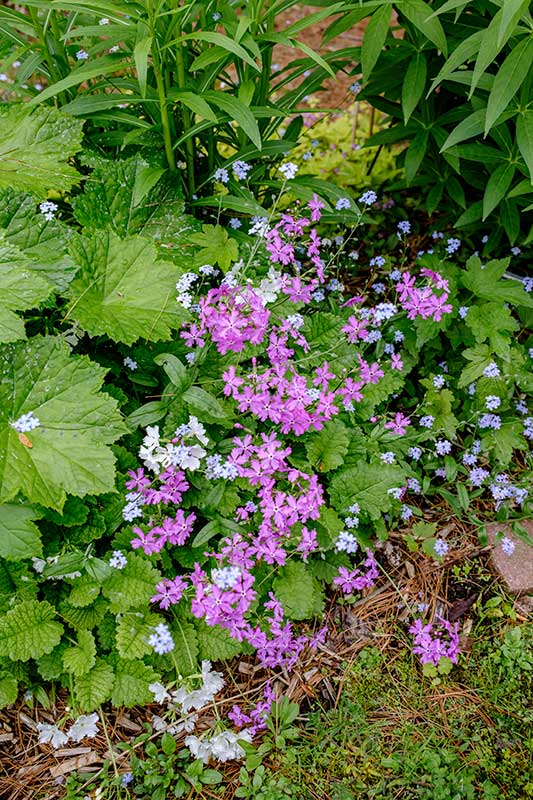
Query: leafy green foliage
[
  {"x": 133, "y": 630},
  {"x": 20, "y": 289},
  {"x": 132, "y": 679},
  {"x": 327, "y": 448},
  {"x": 298, "y": 591},
  {"x": 132, "y": 586},
  {"x": 216, "y": 247},
  {"x": 94, "y": 688},
  {"x": 367, "y": 485},
  {"x": 68, "y": 452},
  {"x": 19, "y": 536},
  {"x": 35, "y": 146},
  {"x": 81, "y": 658},
  {"x": 110, "y": 294},
  {"x": 29, "y": 630}
]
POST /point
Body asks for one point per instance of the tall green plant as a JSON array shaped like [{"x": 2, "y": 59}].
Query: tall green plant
[
  {"x": 193, "y": 77},
  {"x": 456, "y": 79}
]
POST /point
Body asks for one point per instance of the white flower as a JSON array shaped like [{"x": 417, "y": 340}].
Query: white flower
[
  {"x": 27, "y": 422},
  {"x": 129, "y": 362},
  {"x": 104, "y": 21},
  {"x": 197, "y": 429},
  {"x": 222, "y": 746},
  {"x": 288, "y": 170},
  {"x": 82, "y": 55},
  {"x": 84, "y": 726},
  {"x": 158, "y": 723},
  {"x": 151, "y": 438},
  {"x": 159, "y": 692},
  {"x": 213, "y": 681},
  {"x": 118, "y": 560},
  {"x": 50, "y": 734}
]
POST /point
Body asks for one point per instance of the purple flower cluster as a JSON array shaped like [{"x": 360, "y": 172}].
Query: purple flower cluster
[{"x": 434, "y": 641}]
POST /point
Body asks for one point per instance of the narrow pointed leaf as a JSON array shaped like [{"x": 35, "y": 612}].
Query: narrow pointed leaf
[
  {"x": 510, "y": 77},
  {"x": 512, "y": 10},
  {"x": 238, "y": 112},
  {"x": 524, "y": 138},
  {"x": 141, "y": 54},
  {"x": 413, "y": 85},
  {"x": 374, "y": 39},
  {"x": 473, "y": 125},
  {"x": 497, "y": 186},
  {"x": 419, "y": 14}
]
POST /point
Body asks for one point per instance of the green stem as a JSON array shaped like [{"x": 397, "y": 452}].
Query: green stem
[
  {"x": 165, "y": 122},
  {"x": 186, "y": 119}
]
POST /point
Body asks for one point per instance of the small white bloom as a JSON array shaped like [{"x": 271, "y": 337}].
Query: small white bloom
[
  {"x": 50, "y": 734},
  {"x": 118, "y": 560},
  {"x": 25, "y": 423},
  {"x": 197, "y": 430},
  {"x": 85, "y": 726},
  {"x": 151, "y": 439},
  {"x": 288, "y": 170},
  {"x": 159, "y": 692},
  {"x": 129, "y": 362},
  {"x": 82, "y": 55},
  {"x": 104, "y": 21}
]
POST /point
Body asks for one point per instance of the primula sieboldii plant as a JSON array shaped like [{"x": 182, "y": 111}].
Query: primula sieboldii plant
[{"x": 286, "y": 383}]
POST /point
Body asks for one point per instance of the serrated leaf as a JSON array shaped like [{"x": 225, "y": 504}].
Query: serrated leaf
[
  {"x": 366, "y": 484},
  {"x": 215, "y": 643},
  {"x": 35, "y": 146},
  {"x": 298, "y": 591},
  {"x": 8, "y": 690},
  {"x": 41, "y": 240},
  {"x": 132, "y": 679},
  {"x": 84, "y": 592},
  {"x": 439, "y": 404},
  {"x": 29, "y": 630},
  {"x": 506, "y": 440},
  {"x": 327, "y": 448},
  {"x": 86, "y": 616},
  {"x": 95, "y": 687},
  {"x": 492, "y": 321},
  {"x": 131, "y": 587},
  {"x": 81, "y": 658},
  {"x": 19, "y": 537},
  {"x": 486, "y": 281},
  {"x": 20, "y": 289},
  {"x": 217, "y": 247},
  {"x": 480, "y": 357},
  {"x": 132, "y": 635},
  {"x": 68, "y": 452},
  {"x": 111, "y": 294}
]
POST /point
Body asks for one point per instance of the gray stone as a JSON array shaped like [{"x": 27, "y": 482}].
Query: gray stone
[{"x": 515, "y": 569}]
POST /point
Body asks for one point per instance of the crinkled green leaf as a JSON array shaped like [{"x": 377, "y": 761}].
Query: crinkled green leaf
[
  {"x": 298, "y": 591},
  {"x": 122, "y": 290},
  {"x": 85, "y": 617},
  {"x": 327, "y": 448},
  {"x": 35, "y": 146},
  {"x": 132, "y": 632},
  {"x": 84, "y": 591},
  {"x": 217, "y": 247},
  {"x": 82, "y": 657},
  {"x": 20, "y": 288},
  {"x": 132, "y": 679},
  {"x": 50, "y": 666},
  {"x": 29, "y": 630},
  {"x": 115, "y": 199},
  {"x": 67, "y": 452},
  {"x": 368, "y": 485},
  {"x": 43, "y": 241},
  {"x": 94, "y": 688},
  {"x": 8, "y": 690},
  {"x": 132, "y": 586},
  {"x": 439, "y": 403},
  {"x": 185, "y": 653},
  {"x": 215, "y": 643},
  {"x": 492, "y": 322},
  {"x": 19, "y": 537},
  {"x": 487, "y": 281}
]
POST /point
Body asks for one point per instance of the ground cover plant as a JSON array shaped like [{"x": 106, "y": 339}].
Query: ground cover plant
[{"x": 212, "y": 428}]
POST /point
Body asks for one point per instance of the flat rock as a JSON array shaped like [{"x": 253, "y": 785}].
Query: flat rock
[{"x": 515, "y": 569}]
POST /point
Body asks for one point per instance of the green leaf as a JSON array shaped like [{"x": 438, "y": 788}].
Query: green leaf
[
  {"x": 415, "y": 154},
  {"x": 132, "y": 679},
  {"x": 67, "y": 452},
  {"x": 80, "y": 659},
  {"x": 215, "y": 643},
  {"x": 510, "y": 77},
  {"x": 84, "y": 592},
  {"x": 206, "y": 407},
  {"x": 419, "y": 13},
  {"x": 20, "y": 289},
  {"x": 374, "y": 38},
  {"x": 480, "y": 357},
  {"x": 133, "y": 630},
  {"x": 298, "y": 591},
  {"x": 131, "y": 587},
  {"x": 439, "y": 404},
  {"x": 196, "y": 103},
  {"x": 222, "y": 41},
  {"x": 8, "y": 690},
  {"x": 217, "y": 247},
  {"x": 368, "y": 485},
  {"x": 238, "y": 112},
  {"x": 94, "y": 69},
  {"x": 175, "y": 369},
  {"x": 493, "y": 41},
  {"x": 35, "y": 147},
  {"x": 19, "y": 537},
  {"x": 492, "y": 321},
  {"x": 524, "y": 138},
  {"x": 462, "y": 53},
  {"x": 29, "y": 630},
  {"x": 506, "y": 440},
  {"x": 327, "y": 448},
  {"x": 111, "y": 294},
  {"x": 94, "y": 688},
  {"x": 413, "y": 85},
  {"x": 141, "y": 52},
  {"x": 42, "y": 241},
  {"x": 512, "y": 11},
  {"x": 487, "y": 282},
  {"x": 185, "y": 653},
  {"x": 473, "y": 125},
  {"x": 497, "y": 186}
]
